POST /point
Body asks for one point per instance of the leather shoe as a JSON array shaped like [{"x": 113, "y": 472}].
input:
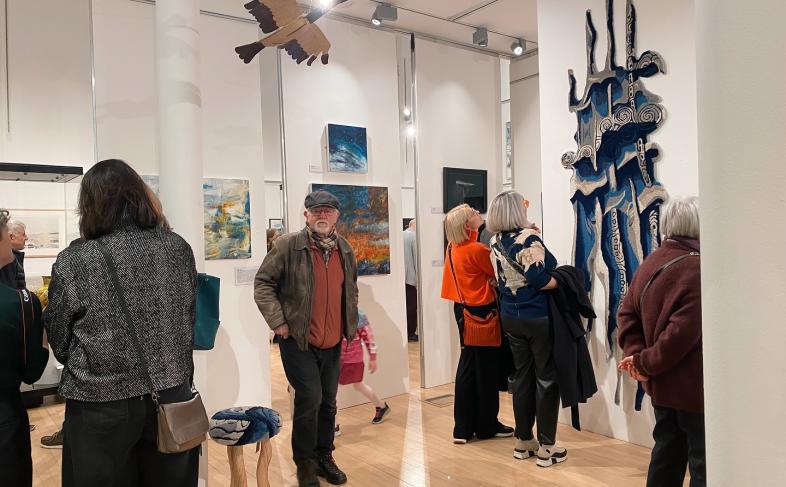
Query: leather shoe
[
  {"x": 328, "y": 469},
  {"x": 307, "y": 475}
]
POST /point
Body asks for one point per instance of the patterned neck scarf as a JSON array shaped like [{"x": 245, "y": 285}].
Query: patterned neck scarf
[{"x": 325, "y": 243}]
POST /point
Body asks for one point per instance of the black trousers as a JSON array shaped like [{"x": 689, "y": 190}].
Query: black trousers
[
  {"x": 113, "y": 444},
  {"x": 16, "y": 464},
  {"x": 535, "y": 388},
  {"x": 412, "y": 309},
  {"x": 679, "y": 442},
  {"x": 476, "y": 404},
  {"x": 314, "y": 376}
]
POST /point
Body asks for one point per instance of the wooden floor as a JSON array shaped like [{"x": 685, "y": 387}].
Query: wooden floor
[{"x": 412, "y": 448}]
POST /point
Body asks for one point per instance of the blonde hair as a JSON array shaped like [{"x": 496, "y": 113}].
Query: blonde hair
[
  {"x": 507, "y": 212},
  {"x": 455, "y": 223}
]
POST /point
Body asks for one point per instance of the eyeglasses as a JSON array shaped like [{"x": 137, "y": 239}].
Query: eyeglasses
[
  {"x": 322, "y": 210},
  {"x": 526, "y": 204}
]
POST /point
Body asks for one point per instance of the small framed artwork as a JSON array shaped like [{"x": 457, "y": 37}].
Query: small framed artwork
[
  {"x": 464, "y": 186},
  {"x": 347, "y": 149},
  {"x": 46, "y": 231},
  {"x": 276, "y": 223},
  {"x": 508, "y": 179}
]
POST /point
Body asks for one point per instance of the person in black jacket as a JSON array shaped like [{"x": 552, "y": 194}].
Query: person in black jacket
[
  {"x": 110, "y": 420},
  {"x": 13, "y": 273},
  {"x": 23, "y": 358}
]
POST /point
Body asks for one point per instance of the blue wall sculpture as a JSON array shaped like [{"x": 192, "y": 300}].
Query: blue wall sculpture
[{"x": 615, "y": 194}]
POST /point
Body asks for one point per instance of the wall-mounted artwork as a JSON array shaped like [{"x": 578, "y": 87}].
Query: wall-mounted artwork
[
  {"x": 464, "y": 186},
  {"x": 508, "y": 154},
  {"x": 615, "y": 193},
  {"x": 227, "y": 219},
  {"x": 46, "y": 231},
  {"x": 277, "y": 223},
  {"x": 365, "y": 223},
  {"x": 347, "y": 149}
]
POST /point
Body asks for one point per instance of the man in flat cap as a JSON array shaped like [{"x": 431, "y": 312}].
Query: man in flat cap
[{"x": 307, "y": 291}]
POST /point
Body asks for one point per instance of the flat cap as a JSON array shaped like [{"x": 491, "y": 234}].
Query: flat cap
[{"x": 321, "y": 198}]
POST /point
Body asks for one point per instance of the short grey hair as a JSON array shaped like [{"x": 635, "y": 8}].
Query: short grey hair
[
  {"x": 4, "y": 216},
  {"x": 681, "y": 218},
  {"x": 14, "y": 226},
  {"x": 507, "y": 212}
]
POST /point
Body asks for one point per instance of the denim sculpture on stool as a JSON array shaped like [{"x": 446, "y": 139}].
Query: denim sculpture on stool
[
  {"x": 615, "y": 194},
  {"x": 236, "y": 427}
]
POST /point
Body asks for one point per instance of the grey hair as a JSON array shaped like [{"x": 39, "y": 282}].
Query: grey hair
[
  {"x": 507, "y": 212},
  {"x": 4, "y": 216},
  {"x": 681, "y": 218},
  {"x": 15, "y": 226}
]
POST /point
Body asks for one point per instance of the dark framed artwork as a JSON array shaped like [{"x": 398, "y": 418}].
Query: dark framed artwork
[
  {"x": 468, "y": 186},
  {"x": 276, "y": 223},
  {"x": 347, "y": 148}
]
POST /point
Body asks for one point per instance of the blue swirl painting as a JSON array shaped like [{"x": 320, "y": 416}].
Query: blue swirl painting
[
  {"x": 347, "y": 149},
  {"x": 227, "y": 219},
  {"x": 365, "y": 223},
  {"x": 614, "y": 190}
]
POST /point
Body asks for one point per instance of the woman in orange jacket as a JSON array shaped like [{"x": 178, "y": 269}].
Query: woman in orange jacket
[{"x": 468, "y": 278}]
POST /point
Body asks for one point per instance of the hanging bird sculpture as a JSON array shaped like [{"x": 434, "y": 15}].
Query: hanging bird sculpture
[{"x": 289, "y": 29}]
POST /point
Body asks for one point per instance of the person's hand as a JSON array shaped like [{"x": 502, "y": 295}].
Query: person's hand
[
  {"x": 627, "y": 365},
  {"x": 372, "y": 366},
  {"x": 493, "y": 282},
  {"x": 282, "y": 331}
]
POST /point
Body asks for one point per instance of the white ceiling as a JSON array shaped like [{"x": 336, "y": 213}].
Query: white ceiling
[{"x": 505, "y": 19}]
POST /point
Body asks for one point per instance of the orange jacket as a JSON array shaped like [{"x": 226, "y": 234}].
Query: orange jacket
[{"x": 472, "y": 261}]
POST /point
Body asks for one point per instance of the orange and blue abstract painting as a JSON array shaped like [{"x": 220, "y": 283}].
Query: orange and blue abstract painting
[
  {"x": 227, "y": 210},
  {"x": 365, "y": 223}
]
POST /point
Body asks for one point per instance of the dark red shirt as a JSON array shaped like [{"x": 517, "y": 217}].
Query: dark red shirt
[
  {"x": 326, "y": 300},
  {"x": 664, "y": 335}
]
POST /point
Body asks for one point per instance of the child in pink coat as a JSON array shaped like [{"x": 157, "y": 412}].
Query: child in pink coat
[{"x": 352, "y": 366}]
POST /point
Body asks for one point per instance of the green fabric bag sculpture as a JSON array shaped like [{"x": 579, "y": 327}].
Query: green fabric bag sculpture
[{"x": 207, "y": 319}]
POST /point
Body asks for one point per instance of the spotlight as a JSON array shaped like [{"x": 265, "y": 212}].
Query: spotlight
[
  {"x": 384, "y": 11},
  {"x": 407, "y": 112},
  {"x": 518, "y": 47},
  {"x": 481, "y": 37},
  {"x": 410, "y": 130},
  {"x": 326, "y": 3}
]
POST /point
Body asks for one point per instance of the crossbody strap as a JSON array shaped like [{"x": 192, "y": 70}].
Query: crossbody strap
[
  {"x": 504, "y": 252},
  {"x": 453, "y": 270},
  {"x": 127, "y": 318},
  {"x": 658, "y": 272}
]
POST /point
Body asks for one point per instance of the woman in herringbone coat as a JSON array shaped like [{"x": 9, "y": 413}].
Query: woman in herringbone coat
[{"x": 110, "y": 421}]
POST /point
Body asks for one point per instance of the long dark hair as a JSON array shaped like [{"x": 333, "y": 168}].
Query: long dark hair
[{"x": 112, "y": 191}]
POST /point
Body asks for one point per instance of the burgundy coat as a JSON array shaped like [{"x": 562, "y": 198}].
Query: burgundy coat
[{"x": 664, "y": 336}]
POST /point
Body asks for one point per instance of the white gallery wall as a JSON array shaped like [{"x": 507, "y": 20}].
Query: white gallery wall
[
  {"x": 237, "y": 371},
  {"x": 667, "y": 27},
  {"x": 359, "y": 88},
  {"x": 525, "y": 119},
  {"x": 459, "y": 125}
]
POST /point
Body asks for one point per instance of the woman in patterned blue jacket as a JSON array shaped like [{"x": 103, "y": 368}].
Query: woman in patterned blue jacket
[{"x": 522, "y": 264}]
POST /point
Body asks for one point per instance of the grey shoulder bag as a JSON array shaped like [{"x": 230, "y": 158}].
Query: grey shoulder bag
[{"x": 181, "y": 425}]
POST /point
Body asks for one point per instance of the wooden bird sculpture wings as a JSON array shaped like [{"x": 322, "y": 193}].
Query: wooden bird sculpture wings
[{"x": 289, "y": 29}]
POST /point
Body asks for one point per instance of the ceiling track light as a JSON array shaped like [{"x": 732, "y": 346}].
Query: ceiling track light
[
  {"x": 519, "y": 47},
  {"x": 481, "y": 37},
  {"x": 384, "y": 11}
]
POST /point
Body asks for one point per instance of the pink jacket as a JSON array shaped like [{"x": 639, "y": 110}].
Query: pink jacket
[{"x": 353, "y": 353}]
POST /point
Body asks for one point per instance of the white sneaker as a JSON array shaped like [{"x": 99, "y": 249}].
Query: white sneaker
[
  {"x": 460, "y": 441},
  {"x": 337, "y": 432},
  {"x": 549, "y": 455},
  {"x": 525, "y": 449}
]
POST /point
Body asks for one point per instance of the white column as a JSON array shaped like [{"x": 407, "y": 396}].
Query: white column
[
  {"x": 180, "y": 119},
  {"x": 525, "y": 118},
  {"x": 741, "y": 126},
  {"x": 180, "y": 140}
]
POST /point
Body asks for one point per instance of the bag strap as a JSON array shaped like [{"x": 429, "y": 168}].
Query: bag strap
[
  {"x": 453, "y": 270},
  {"x": 25, "y": 297},
  {"x": 658, "y": 272},
  {"x": 127, "y": 318},
  {"x": 504, "y": 252}
]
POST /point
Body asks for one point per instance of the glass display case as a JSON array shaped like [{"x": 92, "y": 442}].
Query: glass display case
[{"x": 44, "y": 198}]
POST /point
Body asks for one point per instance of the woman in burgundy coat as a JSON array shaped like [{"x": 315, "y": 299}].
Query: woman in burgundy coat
[{"x": 660, "y": 334}]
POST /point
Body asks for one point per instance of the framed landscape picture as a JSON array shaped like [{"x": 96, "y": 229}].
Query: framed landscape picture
[
  {"x": 46, "y": 231},
  {"x": 347, "y": 148}
]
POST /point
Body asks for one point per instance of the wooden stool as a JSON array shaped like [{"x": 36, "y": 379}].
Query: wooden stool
[{"x": 236, "y": 427}]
